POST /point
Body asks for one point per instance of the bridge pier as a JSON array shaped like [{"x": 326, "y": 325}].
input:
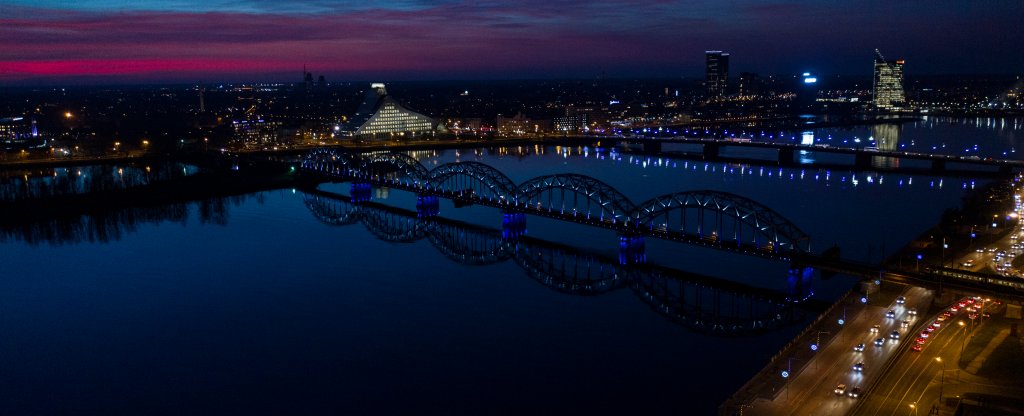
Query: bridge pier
[
  {"x": 712, "y": 150},
  {"x": 938, "y": 165},
  {"x": 361, "y": 191},
  {"x": 800, "y": 283},
  {"x": 513, "y": 225},
  {"x": 427, "y": 206},
  {"x": 632, "y": 249}
]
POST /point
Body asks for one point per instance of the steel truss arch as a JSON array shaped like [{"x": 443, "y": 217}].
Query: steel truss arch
[
  {"x": 392, "y": 167},
  {"x": 587, "y": 195},
  {"x": 766, "y": 227},
  {"x": 328, "y": 161},
  {"x": 485, "y": 181}
]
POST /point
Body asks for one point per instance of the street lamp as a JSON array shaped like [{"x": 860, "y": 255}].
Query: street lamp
[
  {"x": 959, "y": 359},
  {"x": 942, "y": 377},
  {"x": 913, "y": 406}
]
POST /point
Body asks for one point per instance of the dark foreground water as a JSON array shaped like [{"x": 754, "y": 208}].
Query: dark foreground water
[{"x": 255, "y": 306}]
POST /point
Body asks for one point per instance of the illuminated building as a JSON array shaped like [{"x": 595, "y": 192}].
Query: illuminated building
[
  {"x": 17, "y": 131},
  {"x": 380, "y": 114},
  {"x": 888, "y": 83},
  {"x": 806, "y": 93},
  {"x": 257, "y": 133},
  {"x": 716, "y": 72},
  {"x": 520, "y": 124}
]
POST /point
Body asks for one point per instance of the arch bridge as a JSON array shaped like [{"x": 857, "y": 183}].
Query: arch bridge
[{"x": 708, "y": 218}]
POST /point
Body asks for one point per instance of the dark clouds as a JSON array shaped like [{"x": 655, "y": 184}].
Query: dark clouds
[{"x": 261, "y": 39}]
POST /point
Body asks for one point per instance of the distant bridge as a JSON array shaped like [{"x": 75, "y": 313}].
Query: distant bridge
[
  {"x": 863, "y": 158},
  {"x": 700, "y": 303},
  {"x": 711, "y": 219}
]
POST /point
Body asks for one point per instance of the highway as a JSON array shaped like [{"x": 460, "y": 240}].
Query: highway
[
  {"x": 812, "y": 392},
  {"x": 917, "y": 377}
]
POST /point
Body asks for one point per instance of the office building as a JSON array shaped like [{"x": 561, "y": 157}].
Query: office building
[
  {"x": 716, "y": 73},
  {"x": 888, "y": 83},
  {"x": 257, "y": 133}
]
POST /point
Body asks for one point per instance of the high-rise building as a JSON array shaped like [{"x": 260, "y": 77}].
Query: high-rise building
[
  {"x": 379, "y": 113},
  {"x": 888, "y": 83},
  {"x": 716, "y": 72}
]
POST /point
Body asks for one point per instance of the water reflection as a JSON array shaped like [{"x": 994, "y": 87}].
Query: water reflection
[
  {"x": 38, "y": 184},
  {"x": 114, "y": 222},
  {"x": 688, "y": 299}
]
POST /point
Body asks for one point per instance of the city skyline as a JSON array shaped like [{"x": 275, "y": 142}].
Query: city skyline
[{"x": 100, "y": 41}]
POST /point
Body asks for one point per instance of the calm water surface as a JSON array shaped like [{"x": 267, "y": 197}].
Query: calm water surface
[{"x": 255, "y": 306}]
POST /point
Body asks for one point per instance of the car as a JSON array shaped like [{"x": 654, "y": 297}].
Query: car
[
  {"x": 980, "y": 250},
  {"x": 912, "y": 311},
  {"x": 947, "y": 314},
  {"x": 921, "y": 341},
  {"x": 894, "y": 335},
  {"x": 968, "y": 263},
  {"x": 890, "y": 314},
  {"x": 954, "y": 309},
  {"x": 941, "y": 318},
  {"x": 970, "y": 300},
  {"x": 901, "y": 300},
  {"x": 925, "y": 334},
  {"x": 970, "y": 309},
  {"x": 876, "y": 328},
  {"x": 986, "y": 315},
  {"x": 937, "y": 324},
  {"x": 916, "y": 347},
  {"x": 859, "y": 347},
  {"x": 855, "y": 392},
  {"x": 929, "y": 328},
  {"x": 962, "y": 304},
  {"x": 972, "y": 316},
  {"x": 840, "y": 389},
  {"x": 880, "y": 342},
  {"x": 991, "y": 249},
  {"x": 904, "y": 324},
  {"x": 858, "y": 367}
]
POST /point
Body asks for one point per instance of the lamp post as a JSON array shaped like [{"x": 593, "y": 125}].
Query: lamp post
[
  {"x": 913, "y": 406},
  {"x": 942, "y": 377},
  {"x": 963, "y": 341},
  {"x": 787, "y": 373}
]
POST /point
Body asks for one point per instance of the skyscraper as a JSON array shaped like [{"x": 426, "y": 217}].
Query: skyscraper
[
  {"x": 716, "y": 72},
  {"x": 888, "y": 84}
]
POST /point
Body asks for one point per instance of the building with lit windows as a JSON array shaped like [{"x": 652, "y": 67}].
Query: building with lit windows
[
  {"x": 257, "y": 133},
  {"x": 716, "y": 73},
  {"x": 380, "y": 114},
  {"x": 18, "y": 132},
  {"x": 888, "y": 83}
]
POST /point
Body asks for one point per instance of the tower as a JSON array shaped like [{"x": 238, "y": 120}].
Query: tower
[
  {"x": 716, "y": 72},
  {"x": 888, "y": 83},
  {"x": 307, "y": 79},
  {"x": 202, "y": 102}
]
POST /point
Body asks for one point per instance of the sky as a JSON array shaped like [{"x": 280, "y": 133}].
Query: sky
[{"x": 83, "y": 41}]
